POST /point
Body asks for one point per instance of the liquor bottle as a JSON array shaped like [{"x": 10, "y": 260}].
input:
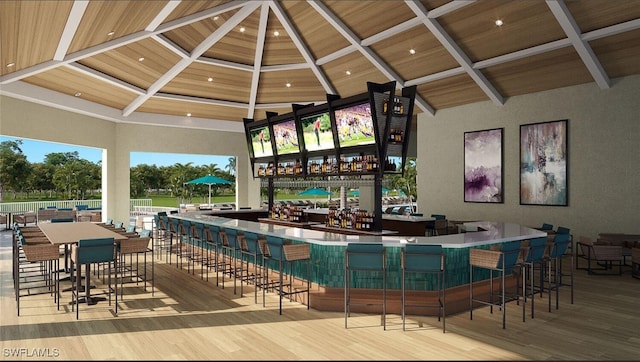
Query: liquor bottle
[{"x": 385, "y": 106}]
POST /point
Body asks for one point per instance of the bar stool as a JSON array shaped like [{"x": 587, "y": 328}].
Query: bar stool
[
  {"x": 364, "y": 257},
  {"x": 214, "y": 242},
  {"x": 42, "y": 257},
  {"x": 284, "y": 253},
  {"x": 231, "y": 248},
  {"x": 533, "y": 258},
  {"x": 429, "y": 260},
  {"x": 251, "y": 249},
  {"x": 501, "y": 261},
  {"x": 87, "y": 252},
  {"x": 557, "y": 252},
  {"x": 135, "y": 246}
]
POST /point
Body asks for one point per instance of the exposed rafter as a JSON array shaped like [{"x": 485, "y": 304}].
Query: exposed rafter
[
  {"x": 375, "y": 60},
  {"x": 568, "y": 24},
  {"x": 459, "y": 55},
  {"x": 198, "y": 51}
]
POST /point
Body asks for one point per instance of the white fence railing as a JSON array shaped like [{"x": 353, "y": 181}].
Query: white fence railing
[{"x": 143, "y": 206}]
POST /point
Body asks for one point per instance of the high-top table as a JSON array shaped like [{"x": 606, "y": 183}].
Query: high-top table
[{"x": 68, "y": 233}]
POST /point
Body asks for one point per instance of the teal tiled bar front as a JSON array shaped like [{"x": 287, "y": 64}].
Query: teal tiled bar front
[{"x": 327, "y": 250}]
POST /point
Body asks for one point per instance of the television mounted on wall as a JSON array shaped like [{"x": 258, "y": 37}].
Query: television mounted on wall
[
  {"x": 285, "y": 135},
  {"x": 317, "y": 131},
  {"x": 354, "y": 124},
  {"x": 259, "y": 138}
]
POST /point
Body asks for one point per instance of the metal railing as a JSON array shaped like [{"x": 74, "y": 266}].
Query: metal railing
[{"x": 135, "y": 205}]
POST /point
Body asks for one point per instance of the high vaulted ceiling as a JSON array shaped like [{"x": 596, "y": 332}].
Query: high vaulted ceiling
[{"x": 221, "y": 61}]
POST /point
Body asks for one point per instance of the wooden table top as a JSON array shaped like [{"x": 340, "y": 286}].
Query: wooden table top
[{"x": 70, "y": 232}]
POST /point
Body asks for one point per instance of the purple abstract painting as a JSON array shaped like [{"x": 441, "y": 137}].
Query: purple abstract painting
[
  {"x": 483, "y": 166},
  {"x": 543, "y": 164}
]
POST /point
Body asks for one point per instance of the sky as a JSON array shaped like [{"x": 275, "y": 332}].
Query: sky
[{"x": 36, "y": 150}]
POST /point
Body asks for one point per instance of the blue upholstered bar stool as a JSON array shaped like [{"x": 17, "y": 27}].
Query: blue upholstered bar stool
[
  {"x": 283, "y": 253},
  {"x": 364, "y": 258},
  {"x": 214, "y": 244},
  {"x": 252, "y": 251},
  {"x": 534, "y": 258},
  {"x": 557, "y": 252},
  {"x": 198, "y": 238},
  {"x": 87, "y": 252},
  {"x": 424, "y": 259},
  {"x": 231, "y": 248},
  {"x": 502, "y": 262}
]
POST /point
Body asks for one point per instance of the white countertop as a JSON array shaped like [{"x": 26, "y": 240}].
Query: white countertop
[{"x": 496, "y": 232}]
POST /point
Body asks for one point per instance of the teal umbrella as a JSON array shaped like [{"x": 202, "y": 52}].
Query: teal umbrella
[
  {"x": 357, "y": 192},
  {"x": 314, "y": 191},
  {"x": 209, "y": 180}
]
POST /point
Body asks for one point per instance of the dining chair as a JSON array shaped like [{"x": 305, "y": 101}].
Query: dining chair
[
  {"x": 361, "y": 258},
  {"x": 502, "y": 262},
  {"x": 424, "y": 259},
  {"x": 604, "y": 256},
  {"x": 87, "y": 252},
  {"x": 283, "y": 253}
]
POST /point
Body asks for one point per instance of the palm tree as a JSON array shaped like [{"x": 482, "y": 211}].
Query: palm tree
[{"x": 231, "y": 166}]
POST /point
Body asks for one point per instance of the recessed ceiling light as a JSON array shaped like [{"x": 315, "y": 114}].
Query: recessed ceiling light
[
  {"x": 140, "y": 59},
  {"x": 188, "y": 114},
  {"x": 242, "y": 29},
  {"x": 348, "y": 72},
  {"x": 499, "y": 22},
  {"x": 110, "y": 33},
  {"x": 276, "y": 33},
  {"x": 288, "y": 85},
  {"x": 216, "y": 17},
  {"x": 9, "y": 65},
  {"x": 78, "y": 94},
  {"x": 209, "y": 79},
  {"x": 412, "y": 51}
]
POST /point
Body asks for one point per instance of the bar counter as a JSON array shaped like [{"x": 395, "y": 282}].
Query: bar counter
[
  {"x": 327, "y": 249},
  {"x": 403, "y": 224}
]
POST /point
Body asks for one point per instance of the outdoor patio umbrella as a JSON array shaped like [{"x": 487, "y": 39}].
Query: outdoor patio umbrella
[
  {"x": 355, "y": 193},
  {"x": 314, "y": 191},
  {"x": 209, "y": 180}
]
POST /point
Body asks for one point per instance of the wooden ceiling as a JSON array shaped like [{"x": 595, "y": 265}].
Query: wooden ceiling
[{"x": 221, "y": 61}]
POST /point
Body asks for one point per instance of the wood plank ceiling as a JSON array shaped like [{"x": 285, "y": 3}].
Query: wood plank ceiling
[{"x": 220, "y": 61}]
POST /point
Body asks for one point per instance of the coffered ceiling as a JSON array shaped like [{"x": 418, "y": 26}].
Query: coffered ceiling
[{"x": 209, "y": 64}]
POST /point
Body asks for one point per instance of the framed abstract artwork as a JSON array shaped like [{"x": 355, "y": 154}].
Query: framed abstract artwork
[
  {"x": 483, "y": 176},
  {"x": 543, "y": 164}
]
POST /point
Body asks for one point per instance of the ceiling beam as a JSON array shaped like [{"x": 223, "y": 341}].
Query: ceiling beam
[
  {"x": 70, "y": 28},
  {"x": 169, "y": 45},
  {"x": 457, "y": 53},
  {"x": 162, "y": 15},
  {"x": 302, "y": 47},
  {"x": 568, "y": 24},
  {"x": 352, "y": 38},
  {"x": 104, "y": 77},
  {"x": 257, "y": 59},
  {"x": 182, "y": 64}
]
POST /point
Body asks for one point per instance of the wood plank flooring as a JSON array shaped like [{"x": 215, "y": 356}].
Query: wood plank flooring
[{"x": 192, "y": 319}]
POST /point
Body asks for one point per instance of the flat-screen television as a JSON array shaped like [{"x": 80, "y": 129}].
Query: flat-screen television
[
  {"x": 260, "y": 139},
  {"x": 355, "y": 125},
  {"x": 317, "y": 132},
  {"x": 285, "y": 136}
]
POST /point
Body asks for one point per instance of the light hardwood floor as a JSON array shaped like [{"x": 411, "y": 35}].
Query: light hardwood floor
[{"x": 192, "y": 319}]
